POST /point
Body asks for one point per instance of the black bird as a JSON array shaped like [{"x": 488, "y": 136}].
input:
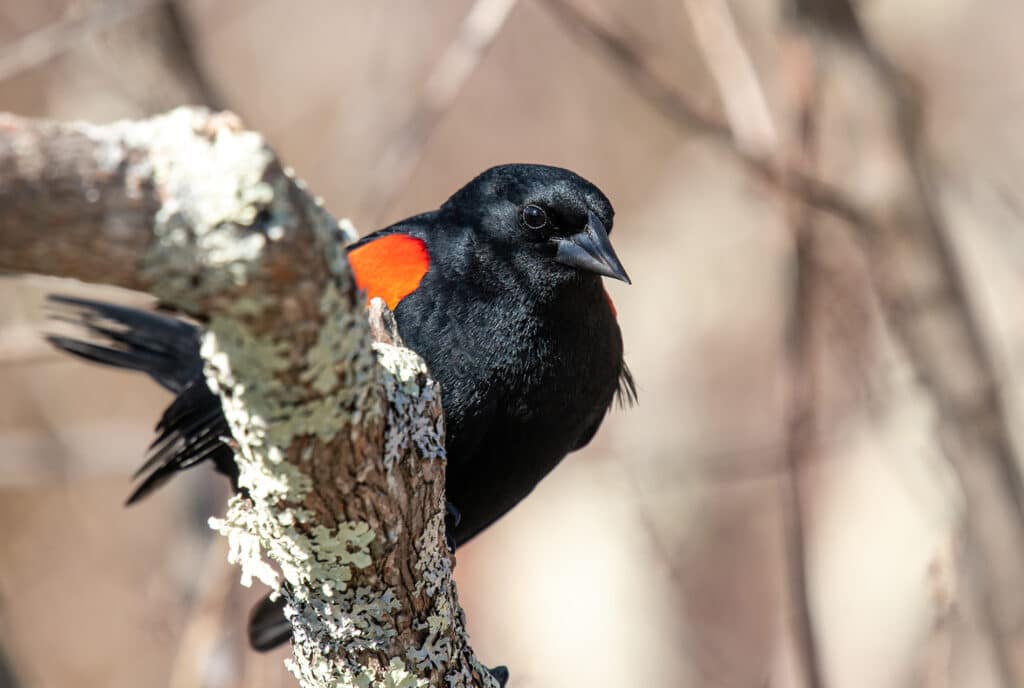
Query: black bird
[{"x": 499, "y": 290}]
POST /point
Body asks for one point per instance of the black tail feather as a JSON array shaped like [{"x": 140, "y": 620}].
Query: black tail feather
[
  {"x": 626, "y": 392},
  {"x": 164, "y": 348},
  {"x": 191, "y": 430},
  {"x": 268, "y": 627}
]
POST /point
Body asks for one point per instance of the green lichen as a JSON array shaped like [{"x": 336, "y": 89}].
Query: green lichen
[
  {"x": 394, "y": 675},
  {"x": 213, "y": 186},
  {"x": 337, "y": 360},
  {"x": 398, "y": 677}
]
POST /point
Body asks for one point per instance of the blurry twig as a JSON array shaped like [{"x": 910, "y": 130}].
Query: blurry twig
[
  {"x": 926, "y": 301},
  {"x": 476, "y": 34},
  {"x": 700, "y": 647},
  {"x": 183, "y": 43},
  {"x": 936, "y": 319},
  {"x": 934, "y": 245},
  {"x": 802, "y": 426},
  {"x": 755, "y": 134},
  {"x": 733, "y": 71},
  {"x": 47, "y": 43},
  {"x": 634, "y": 66},
  {"x": 8, "y": 678},
  {"x": 682, "y": 112},
  {"x": 837, "y": 17},
  {"x": 200, "y": 634}
]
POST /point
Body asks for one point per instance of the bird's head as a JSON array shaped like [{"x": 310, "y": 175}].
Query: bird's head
[{"x": 547, "y": 219}]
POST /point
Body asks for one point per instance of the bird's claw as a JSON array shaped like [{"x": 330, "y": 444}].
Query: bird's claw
[
  {"x": 452, "y": 513},
  {"x": 500, "y": 674},
  {"x": 451, "y": 521}
]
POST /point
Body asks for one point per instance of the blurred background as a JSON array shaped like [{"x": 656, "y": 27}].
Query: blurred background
[{"x": 821, "y": 207}]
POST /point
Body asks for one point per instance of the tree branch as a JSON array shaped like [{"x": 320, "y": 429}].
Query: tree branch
[{"x": 339, "y": 441}]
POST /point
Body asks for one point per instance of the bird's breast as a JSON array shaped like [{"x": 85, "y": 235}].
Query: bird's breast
[{"x": 519, "y": 369}]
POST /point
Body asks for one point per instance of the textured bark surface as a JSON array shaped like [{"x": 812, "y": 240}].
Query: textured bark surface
[{"x": 339, "y": 440}]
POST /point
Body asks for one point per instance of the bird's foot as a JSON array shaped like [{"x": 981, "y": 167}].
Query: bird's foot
[
  {"x": 500, "y": 674},
  {"x": 451, "y": 513},
  {"x": 451, "y": 521}
]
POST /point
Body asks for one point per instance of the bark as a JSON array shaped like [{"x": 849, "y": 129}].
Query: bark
[{"x": 339, "y": 439}]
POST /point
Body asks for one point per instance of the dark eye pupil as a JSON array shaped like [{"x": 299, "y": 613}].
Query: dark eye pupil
[{"x": 534, "y": 217}]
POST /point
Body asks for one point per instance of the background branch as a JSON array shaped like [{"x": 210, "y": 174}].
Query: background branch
[
  {"x": 735, "y": 79},
  {"x": 480, "y": 27},
  {"x": 686, "y": 114},
  {"x": 929, "y": 305},
  {"x": 40, "y": 46}
]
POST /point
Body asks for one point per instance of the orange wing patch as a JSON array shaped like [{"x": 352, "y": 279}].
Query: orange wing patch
[{"x": 390, "y": 267}]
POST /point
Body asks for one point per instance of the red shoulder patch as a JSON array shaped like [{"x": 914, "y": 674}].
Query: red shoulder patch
[
  {"x": 611, "y": 304},
  {"x": 390, "y": 267}
]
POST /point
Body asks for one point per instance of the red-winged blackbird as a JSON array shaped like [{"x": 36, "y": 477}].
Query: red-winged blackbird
[{"x": 499, "y": 290}]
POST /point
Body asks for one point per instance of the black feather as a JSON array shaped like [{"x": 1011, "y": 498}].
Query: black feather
[
  {"x": 626, "y": 391},
  {"x": 192, "y": 429},
  {"x": 167, "y": 349},
  {"x": 268, "y": 626}
]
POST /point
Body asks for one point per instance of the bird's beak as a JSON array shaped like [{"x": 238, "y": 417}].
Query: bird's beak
[{"x": 592, "y": 251}]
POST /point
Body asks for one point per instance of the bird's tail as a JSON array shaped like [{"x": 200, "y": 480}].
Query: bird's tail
[
  {"x": 268, "y": 626},
  {"x": 193, "y": 428}
]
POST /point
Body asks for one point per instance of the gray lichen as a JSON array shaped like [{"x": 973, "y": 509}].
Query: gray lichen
[
  {"x": 213, "y": 188},
  {"x": 413, "y": 406}
]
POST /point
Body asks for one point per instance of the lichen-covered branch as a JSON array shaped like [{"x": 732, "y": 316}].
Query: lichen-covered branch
[{"x": 339, "y": 440}]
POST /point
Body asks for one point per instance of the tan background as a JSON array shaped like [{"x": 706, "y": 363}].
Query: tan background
[{"x": 662, "y": 554}]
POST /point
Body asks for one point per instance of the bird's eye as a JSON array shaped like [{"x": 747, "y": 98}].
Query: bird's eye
[{"x": 534, "y": 217}]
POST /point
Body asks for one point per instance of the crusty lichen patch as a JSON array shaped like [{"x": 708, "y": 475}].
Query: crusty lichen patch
[
  {"x": 203, "y": 229},
  {"x": 223, "y": 200},
  {"x": 446, "y": 639},
  {"x": 414, "y": 418}
]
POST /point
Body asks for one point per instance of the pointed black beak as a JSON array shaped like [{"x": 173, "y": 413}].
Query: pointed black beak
[{"x": 592, "y": 251}]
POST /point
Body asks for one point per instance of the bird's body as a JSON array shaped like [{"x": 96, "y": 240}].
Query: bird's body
[{"x": 499, "y": 290}]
